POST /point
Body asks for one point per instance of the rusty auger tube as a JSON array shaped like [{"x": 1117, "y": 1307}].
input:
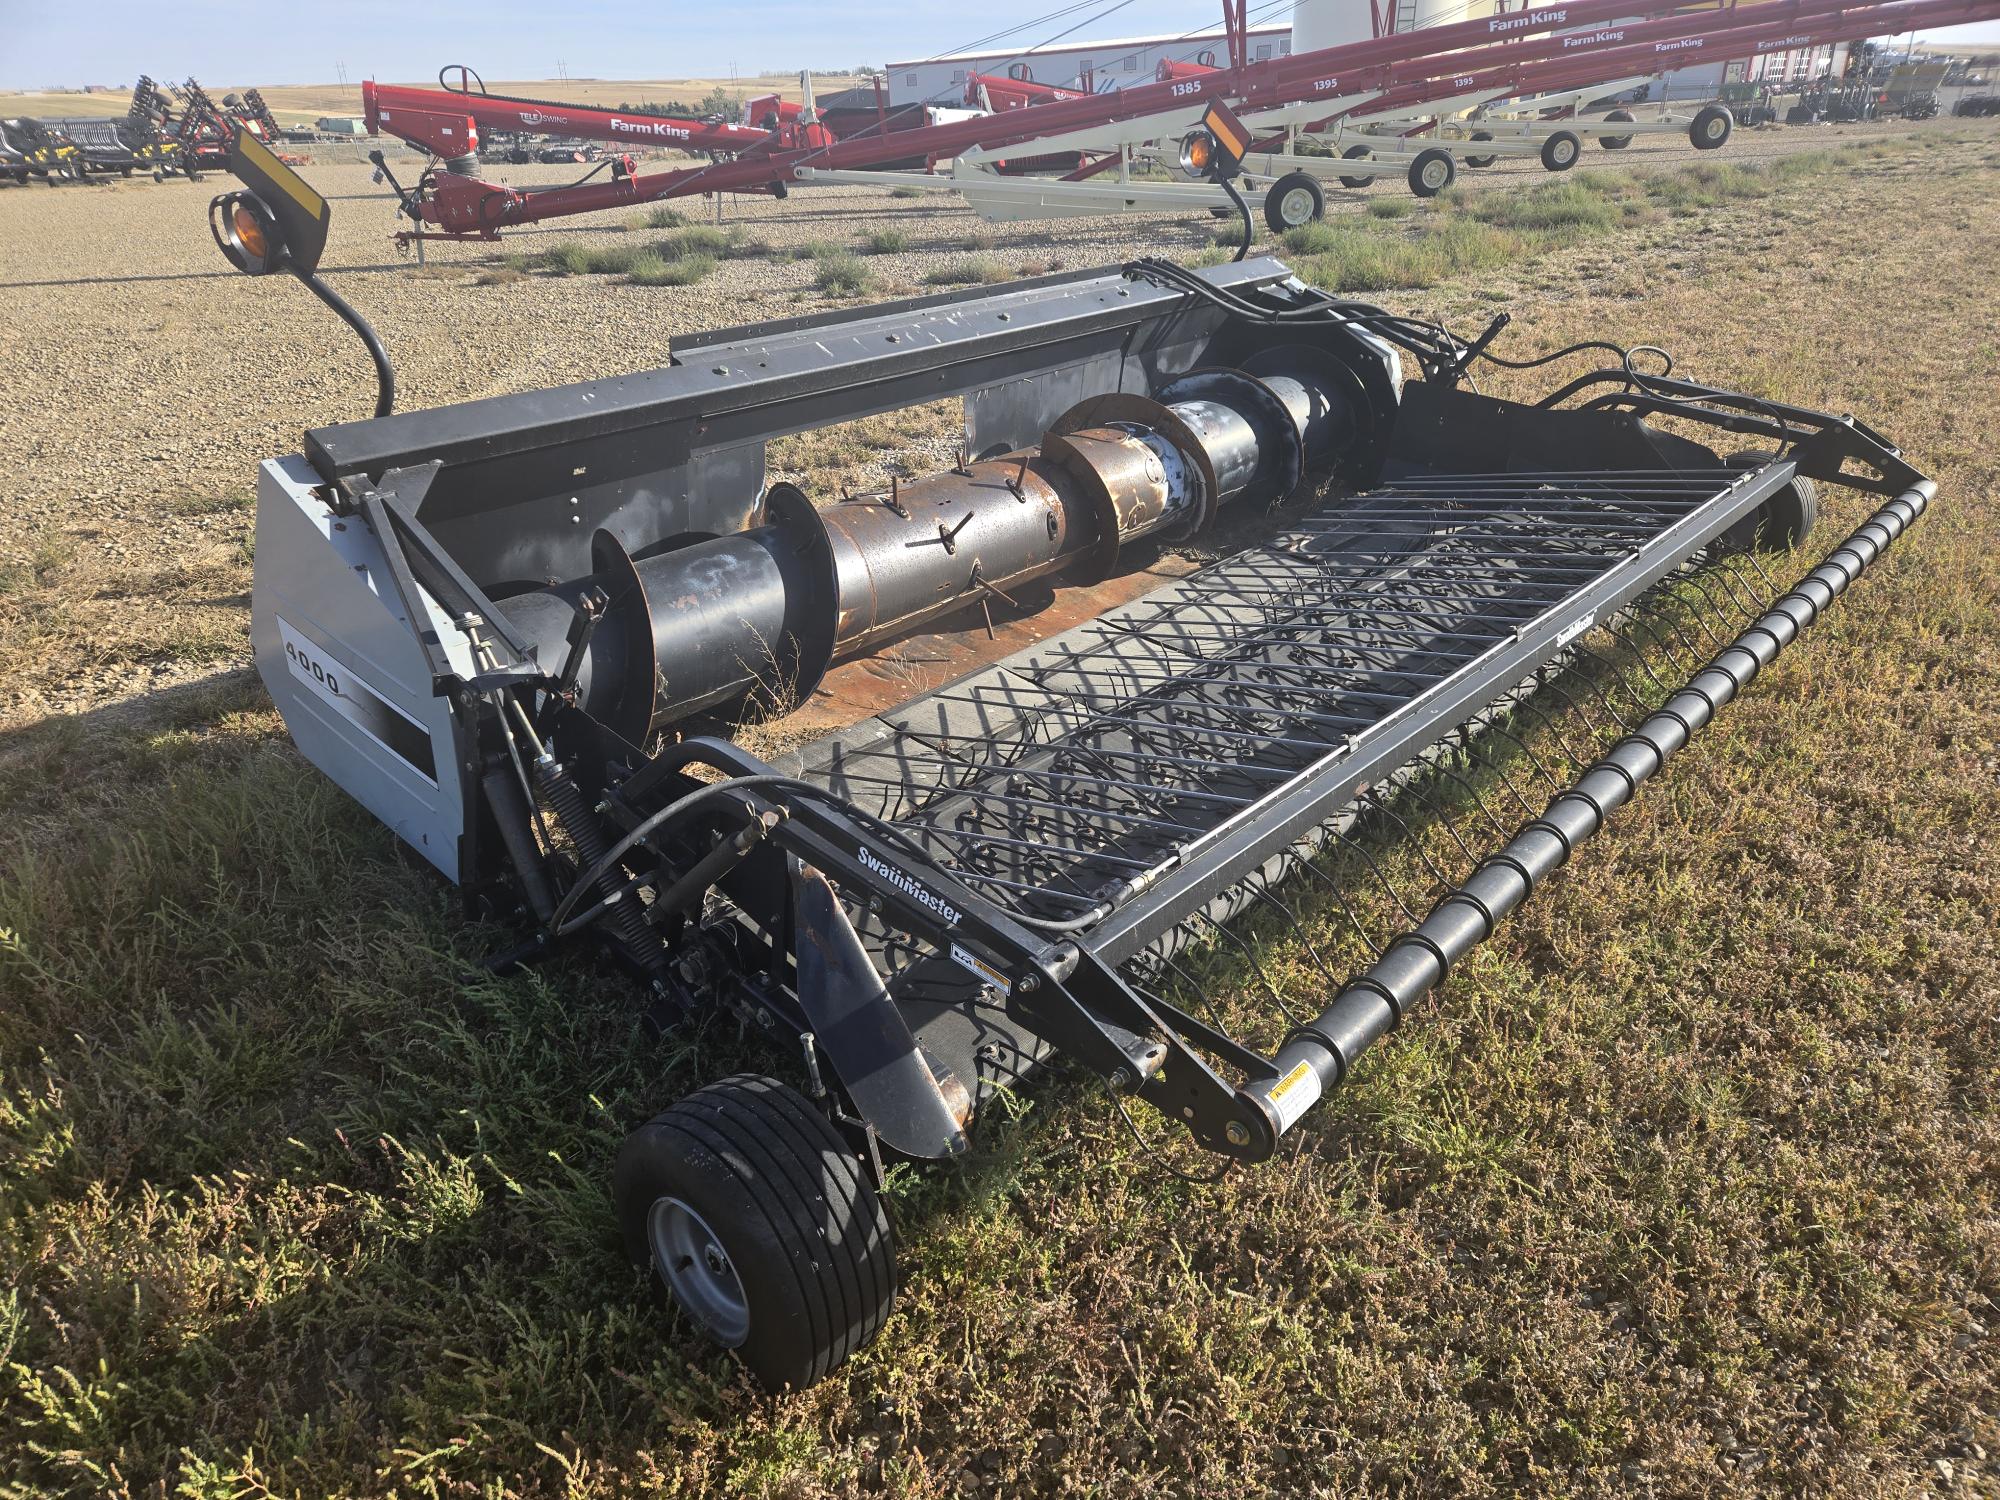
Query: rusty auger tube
[{"x": 1316, "y": 1056}]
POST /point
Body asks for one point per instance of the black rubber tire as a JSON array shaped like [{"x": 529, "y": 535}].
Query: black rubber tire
[
  {"x": 802, "y": 1229},
  {"x": 1356, "y": 153},
  {"x": 1616, "y": 142},
  {"x": 1711, "y": 128},
  {"x": 1783, "y": 521},
  {"x": 1432, "y": 172},
  {"x": 1291, "y": 183},
  {"x": 1561, "y": 151},
  {"x": 1481, "y": 161}
]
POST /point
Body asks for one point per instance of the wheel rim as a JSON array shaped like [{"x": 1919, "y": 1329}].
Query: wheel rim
[
  {"x": 697, "y": 1270},
  {"x": 1714, "y": 131},
  {"x": 1296, "y": 207},
  {"x": 1436, "y": 174},
  {"x": 1565, "y": 151}
]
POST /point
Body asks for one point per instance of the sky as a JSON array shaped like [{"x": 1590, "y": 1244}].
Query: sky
[{"x": 238, "y": 42}]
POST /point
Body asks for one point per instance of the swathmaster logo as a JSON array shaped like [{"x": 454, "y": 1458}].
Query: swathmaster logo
[{"x": 909, "y": 885}]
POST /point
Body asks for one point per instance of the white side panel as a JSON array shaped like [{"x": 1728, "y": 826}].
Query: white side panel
[{"x": 344, "y": 666}]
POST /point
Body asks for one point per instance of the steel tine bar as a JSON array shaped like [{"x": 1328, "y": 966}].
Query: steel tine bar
[
  {"x": 1310, "y": 747},
  {"x": 1482, "y": 754},
  {"x": 1530, "y": 703},
  {"x": 1376, "y": 800},
  {"x": 1425, "y": 790},
  {"x": 1771, "y": 585},
  {"x": 1498, "y": 726},
  {"x": 1677, "y": 596},
  {"x": 979, "y": 877},
  {"x": 1100, "y": 856},
  {"x": 1618, "y": 630},
  {"x": 1364, "y": 565},
  {"x": 1260, "y": 890},
  {"x": 1665, "y": 607},
  {"x": 1700, "y": 579},
  {"x": 1460, "y": 743},
  {"x": 1184, "y": 830},
  {"x": 1607, "y": 663},
  {"x": 1579, "y": 515},
  {"x": 1750, "y": 573},
  {"x": 1554, "y": 683},
  {"x": 1645, "y": 615},
  {"x": 1589, "y": 680},
  {"x": 1134, "y": 788},
  {"x": 1256, "y": 963},
  {"x": 1194, "y": 986},
  {"x": 1309, "y": 863},
  {"x": 1375, "y": 869},
  {"x": 1435, "y": 620},
  {"x": 1727, "y": 578},
  {"x": 1154, "y": 798}
]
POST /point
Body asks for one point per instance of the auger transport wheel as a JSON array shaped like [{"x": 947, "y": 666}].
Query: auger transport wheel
[
  {"x": 1616, "y": 142},
  {"x": 1561, "y": 150},
  {"x": 1294, "y": 201},
  {"x": 1481, "y": 162},
  {"x": 1356, "y": 153},
  {"x": 1711, "y": 128},
  {"x": 756, "y": 1217},
  {"x": 1432, "y": 172}
]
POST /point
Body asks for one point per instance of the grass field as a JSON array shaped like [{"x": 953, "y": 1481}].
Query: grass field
[{"x": 1686, "y": 1184}]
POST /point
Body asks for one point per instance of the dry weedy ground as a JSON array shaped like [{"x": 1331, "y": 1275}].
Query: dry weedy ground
[{"x": 1685, "y": 1185}]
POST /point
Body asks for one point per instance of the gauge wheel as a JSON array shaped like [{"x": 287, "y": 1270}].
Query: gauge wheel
[
  {"x": 755, "y": 1216},
  {"x": 1784, "y": 520}
]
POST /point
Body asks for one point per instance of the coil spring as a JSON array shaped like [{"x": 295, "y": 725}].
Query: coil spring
[{"x": 627, "y": 918}]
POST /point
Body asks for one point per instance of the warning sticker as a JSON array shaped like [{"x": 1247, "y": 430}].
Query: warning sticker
[
  {"x": 965, "y": 958},
  {"x": 1294, "y": 1094}
]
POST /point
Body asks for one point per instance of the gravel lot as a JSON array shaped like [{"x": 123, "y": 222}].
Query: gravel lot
[{"x": 148, "y": 379}]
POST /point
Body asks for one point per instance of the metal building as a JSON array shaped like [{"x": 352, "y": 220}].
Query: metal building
[{"x": 1117, "y": 63}]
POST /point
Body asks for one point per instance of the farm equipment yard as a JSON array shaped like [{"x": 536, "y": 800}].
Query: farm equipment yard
[{"x": 1684, "y": 1182}]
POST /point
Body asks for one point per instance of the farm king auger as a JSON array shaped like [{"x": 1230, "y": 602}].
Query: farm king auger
[
  {"x": 1578, "y": 47},
  {"x": 521, "y": 632},
  {"x": 446, "y": 122}
]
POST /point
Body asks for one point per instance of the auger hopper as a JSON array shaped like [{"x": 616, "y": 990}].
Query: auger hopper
[{"x": 1048, "y": 763}]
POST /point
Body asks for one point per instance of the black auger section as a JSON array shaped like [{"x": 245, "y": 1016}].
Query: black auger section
[{"x": 1419, "y": 960}]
